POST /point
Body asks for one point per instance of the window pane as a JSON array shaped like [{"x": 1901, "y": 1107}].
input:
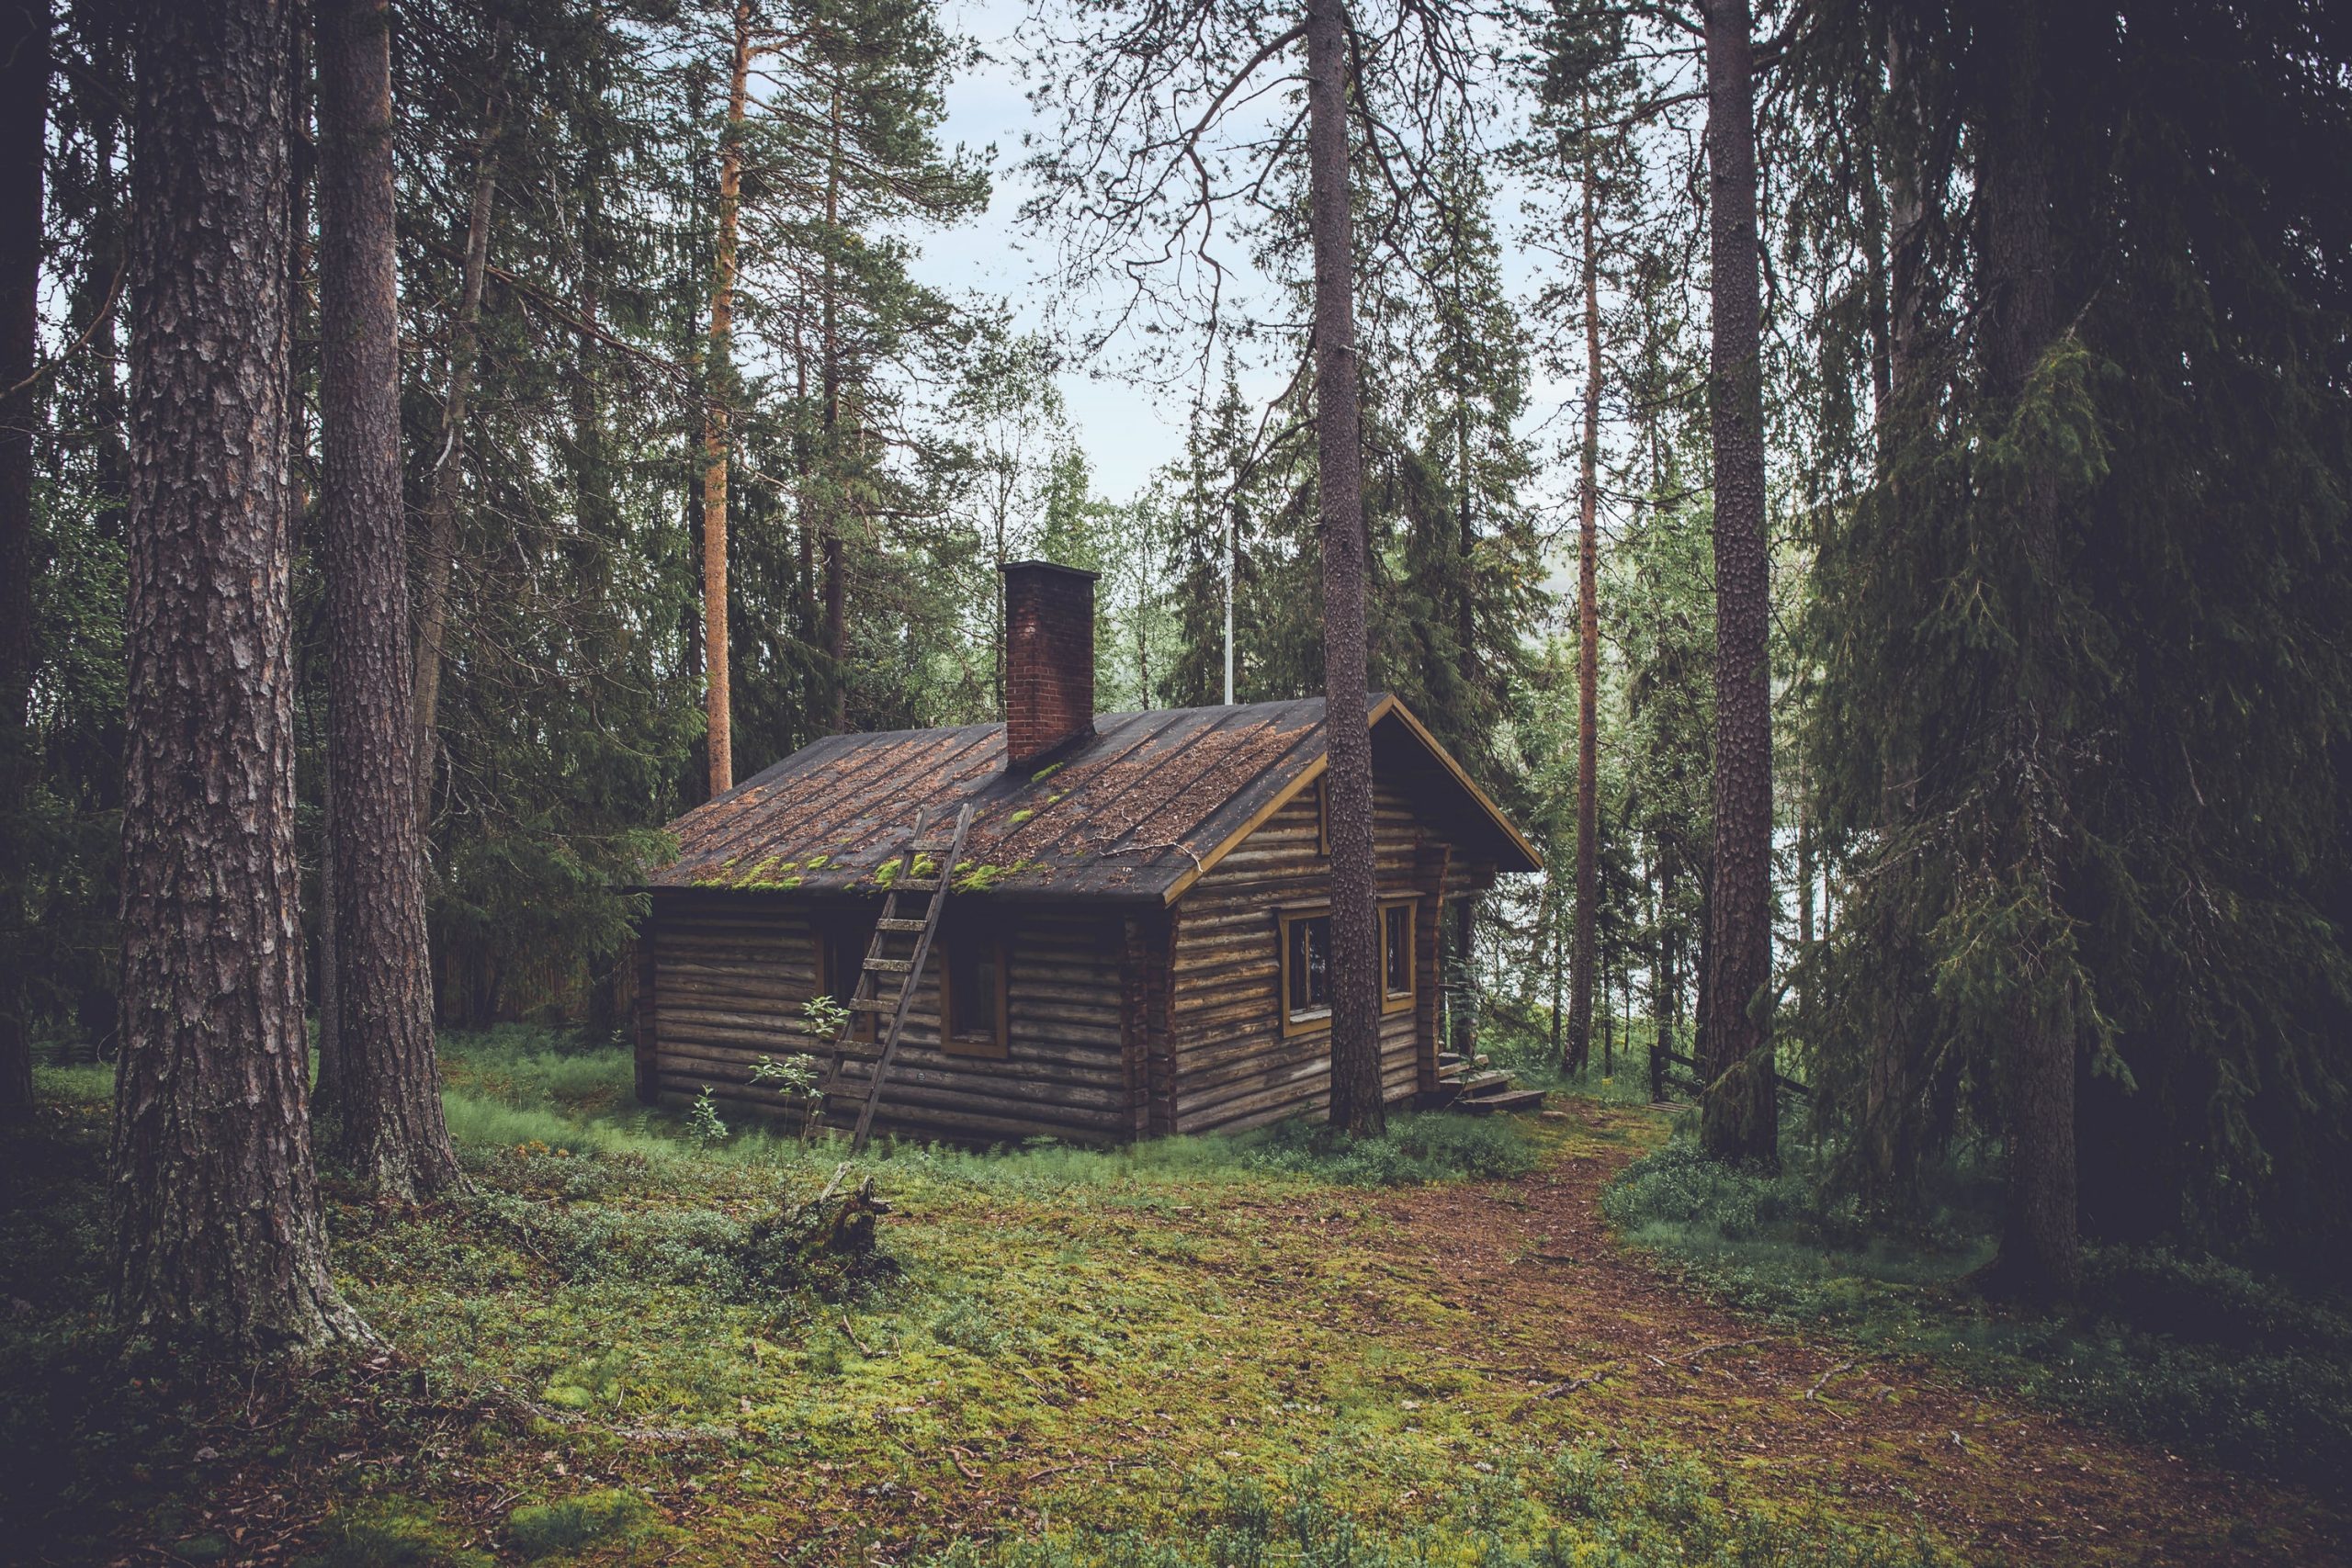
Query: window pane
[
  {"x": 1398, "y": 972},
  {"x": 1297, "y": 965},
  {"x": 972, "y": 989},
  {"x": 1318, "y": 961}
]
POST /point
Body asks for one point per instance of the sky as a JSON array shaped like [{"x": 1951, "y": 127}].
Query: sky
[{"x": 1128, "y": 430}]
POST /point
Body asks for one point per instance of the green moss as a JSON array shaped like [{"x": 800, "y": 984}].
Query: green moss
[
  {"x": 394, "y": 1533},
  {"x": 1357, "y": 1504},
  {"x": 887, "y": 873},
  {"x": 1042, "y": 774},
  {"x": 1018, "y": 818},
  {"x": 981, "y": 877},
  {"x": 543, "y": 1529},
  {"x": 1124, "y": 1353}
]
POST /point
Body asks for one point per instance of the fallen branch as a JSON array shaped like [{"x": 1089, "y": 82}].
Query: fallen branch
[
  {"x": 853, "y": 1339},
  {"x": 1815, "y": 1392},
  {"x": 1564, "y": 1388},
  {"x": 1036, "y": 1476},
  {"x": 957, "y": 1457},
  {"x": 1695, "y": 1356}
]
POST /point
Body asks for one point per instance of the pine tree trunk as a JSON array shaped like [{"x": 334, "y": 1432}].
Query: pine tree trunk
[
  {"x": 1588, "y": 658},
  {"x": 2038, "y": 1255},
  {"x": 1906, "y": 230},
  {"x": 388, "y": 1129},
  {"x": 217, "y": 1238},
  {"x": 1740, "y": 1113},
  {"x": 24, "y": 118},
  {"x": 1887, "y": 1159},
  {"x": 99, "y": 1007},
  {"x": 835, "y": 642},
  {"x": 1806, "y": 853},
  {"x": 326, "y": 1085},
  {"x": 716, "y": 695},
  {"x": 449, "y": 457},
  {"x": 1555, "y": 928},
  {"x": 1662, "y": 981},
  {"x": 1356, "y": 1098}
]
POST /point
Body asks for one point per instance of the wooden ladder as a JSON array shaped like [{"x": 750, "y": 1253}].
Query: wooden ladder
[{"x": 878, "y": 967}]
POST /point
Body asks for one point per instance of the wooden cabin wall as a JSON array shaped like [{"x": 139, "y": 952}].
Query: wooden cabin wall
[
  {"x": 1233, "y": 1066},
  {"x": 728, "y": 973}
]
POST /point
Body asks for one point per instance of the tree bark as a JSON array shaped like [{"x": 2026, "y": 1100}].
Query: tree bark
[
  {"x": 1356, "y": 1101},
  {"x": 388, "y": 1129},
  {"x": 1580, "y": 1049},
  {"x": 1555, "y": 933},
  {"x": 23, "y": 119},
  {"x": 217, "y": 1236},
  {"x": 835, "y": 632},
  {"x": 449, "y": 457},
  {"x": 1887, "y": 1152},
  {"x": 717, "y": 697},
  {"x": 327, "y": 1082},
  {"x": 2039, "y": 1256},
  {"x": 1906, "y": 232},
  {"x": 1740, "y": 1113}
]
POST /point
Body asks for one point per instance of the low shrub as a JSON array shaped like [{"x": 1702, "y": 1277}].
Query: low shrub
[
  {"x": 2187, "y": 1352},
  {"x": 1418, "y": 1147}
]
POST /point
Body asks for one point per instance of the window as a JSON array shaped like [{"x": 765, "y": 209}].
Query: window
[
  {"x": 972, "y": 1003},
  {"x": 1306, "y": 972},
  {"x": 1397, "y": 954},
  {"x": 840, "y": 949}
]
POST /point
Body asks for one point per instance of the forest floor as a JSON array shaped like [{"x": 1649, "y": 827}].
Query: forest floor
[{"x": 1176, "y": 1357}]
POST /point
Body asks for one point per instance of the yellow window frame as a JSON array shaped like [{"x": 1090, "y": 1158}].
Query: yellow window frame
[
  {"x": 1311, "y": 1022},
  {"x": 1396, "y": 997}
]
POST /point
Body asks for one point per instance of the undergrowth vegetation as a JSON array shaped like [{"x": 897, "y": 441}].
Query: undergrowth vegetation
[
  {"x": 1576, "y": 1506},
  {"x": 516, "y": 1087},
  {"x": 2189, "y": 1353},
  {"x": 616, "y": 1346}
]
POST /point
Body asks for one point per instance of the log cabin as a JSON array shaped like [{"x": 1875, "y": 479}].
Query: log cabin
[{"x": 1133, "y": 940}]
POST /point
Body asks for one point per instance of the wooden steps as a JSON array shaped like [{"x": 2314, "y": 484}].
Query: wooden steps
[
  {"x": 1507, "y": 1100},
  {"x": 1473, "y": 1086}
]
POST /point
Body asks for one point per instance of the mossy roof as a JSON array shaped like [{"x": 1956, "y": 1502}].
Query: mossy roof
[{"x": 1132, "y": 813}]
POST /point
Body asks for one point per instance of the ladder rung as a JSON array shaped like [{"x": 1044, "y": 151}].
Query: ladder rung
[
  {"x": 888, "y": 965},
  {"x": 930, "y": 846},
  {"x": 915, "y": 884},
  {"x": 872, "y": 1004},
  {"x": 900, "y": 925}
]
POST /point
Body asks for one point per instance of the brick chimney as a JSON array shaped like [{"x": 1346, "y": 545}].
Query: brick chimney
[{"x": 1048, "y": 659}]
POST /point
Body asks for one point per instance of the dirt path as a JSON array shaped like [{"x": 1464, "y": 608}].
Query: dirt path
[{"x": 1613, "y": 1347}]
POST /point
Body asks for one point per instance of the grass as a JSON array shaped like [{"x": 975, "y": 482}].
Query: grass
[
  {"x": 1529, "y": 1508},
  {"x": 2189, "y": 1354},
  {"x": 520, "y": 1087},
  {"x": 1213, "y": 1351}
]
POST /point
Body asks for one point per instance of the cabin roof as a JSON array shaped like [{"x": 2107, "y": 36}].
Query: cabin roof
[{"x": 1134, "y": 813}]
